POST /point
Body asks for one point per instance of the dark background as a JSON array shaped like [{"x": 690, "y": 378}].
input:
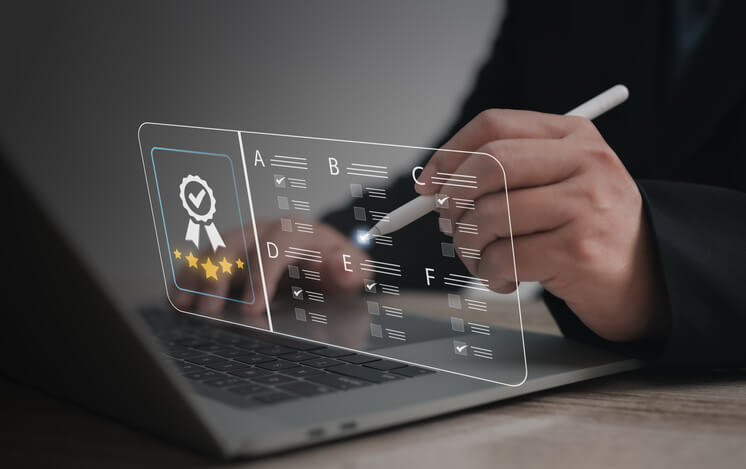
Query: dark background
[{"x": 78, "y": 79}]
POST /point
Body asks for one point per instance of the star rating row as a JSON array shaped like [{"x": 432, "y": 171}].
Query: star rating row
[{"x": 211, "y": 270}]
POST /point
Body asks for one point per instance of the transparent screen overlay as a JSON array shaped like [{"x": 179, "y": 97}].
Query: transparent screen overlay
[{"x": 267, "y": 231}]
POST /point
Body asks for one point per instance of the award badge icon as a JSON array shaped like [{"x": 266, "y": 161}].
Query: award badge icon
[
  {"x": 203, "y": 230},
  {"x": 192, "y": 202}
]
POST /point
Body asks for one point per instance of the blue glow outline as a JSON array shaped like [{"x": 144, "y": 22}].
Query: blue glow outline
[{"x": 240, "y": 218}]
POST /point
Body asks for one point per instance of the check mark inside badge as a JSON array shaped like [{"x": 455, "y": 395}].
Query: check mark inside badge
[{"x": 197, "y": 199}]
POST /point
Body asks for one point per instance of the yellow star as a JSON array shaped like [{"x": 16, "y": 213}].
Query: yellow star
[
  {"x": 239, "y": 264},
  {"x": 226, "y": 266},
  {"x": 211, "y": 270},
  {"x": 177, "y": 254},
  {"x": 192, "y": 260}
]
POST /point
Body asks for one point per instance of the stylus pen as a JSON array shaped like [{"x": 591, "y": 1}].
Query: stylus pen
[{"x": 424, "y": 204}]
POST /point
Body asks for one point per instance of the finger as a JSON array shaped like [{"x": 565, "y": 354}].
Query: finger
[
  {"x": 339, "y": 279},
  {"x": 186, "y": 279},
  {"x": 267, "y": 272},
  {"x": 224, "y": 262},
  {"x": 321, "y": 253},
  {"x": 193, "y": 286},
  {"x": 491, "y": 125},
  {"x": 217, "y": 289},
  {"x": 537, "y": 259},
  {"x": 517, "y": 163},
  {"x": 253, "y": 290},
  {"x": 533, "y": 210}
]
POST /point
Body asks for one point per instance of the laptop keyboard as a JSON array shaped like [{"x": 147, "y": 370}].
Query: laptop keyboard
[{"x": 253, "y": 368}]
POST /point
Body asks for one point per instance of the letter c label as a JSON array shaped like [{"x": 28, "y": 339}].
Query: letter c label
[{"x": 414, "y": 176}]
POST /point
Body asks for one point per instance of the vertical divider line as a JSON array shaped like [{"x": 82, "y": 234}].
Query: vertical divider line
[{"x": 256, "y": 235}]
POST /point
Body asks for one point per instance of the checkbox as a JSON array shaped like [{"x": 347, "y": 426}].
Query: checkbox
[
  {"x": 280, "y": 181},
  {"x": 300, "y": 314},
  {"x": 286, "y": 225},
  {"x": 376, "y": 330},
  {"x": 445, "y": 225},
  {"x": 356, "y": 190},
  {"x": 293, "y": 271},
  {"x": 447, "y": 250},
  {"x": 461, "y": 348},
  {"x": 454, "y": 301},
  {"x": 370, "y": 286},
  {"x": 282, "y": 202},
  {"x": 457, "y": 324},
  {"x": 359, "y": 213},
  {"x": 297, "y": 292},
  {"x": 374, "y": 308},
  {"x": 441, "y": 201}
]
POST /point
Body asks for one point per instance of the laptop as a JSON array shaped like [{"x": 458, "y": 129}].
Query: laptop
[{"x": 217, "y": 388}]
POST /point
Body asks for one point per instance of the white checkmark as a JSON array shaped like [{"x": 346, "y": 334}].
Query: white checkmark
[
  {"x": 461, "y": 348},
  {"x": 197, "y": 199},
  {"x": 441, "y": 201},
  {"x": 297, "y": 291},
  {"x": 279, "y": 180},
  {"x": 371, "y": 285}
]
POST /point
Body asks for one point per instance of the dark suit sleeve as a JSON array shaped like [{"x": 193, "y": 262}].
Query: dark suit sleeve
[{"x": 700, "y": 233}]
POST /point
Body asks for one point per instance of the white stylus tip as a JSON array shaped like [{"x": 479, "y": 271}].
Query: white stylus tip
[{"x": 366, "y": 236}]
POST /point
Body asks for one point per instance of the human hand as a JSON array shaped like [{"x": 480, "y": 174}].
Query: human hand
[
  {"x": 577, "y": 218},
  {"x": 333, "y": 276}
]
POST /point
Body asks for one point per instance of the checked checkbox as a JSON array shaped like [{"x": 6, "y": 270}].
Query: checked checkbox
[
  {"x": 370, "y": 286},
  {"x": 441, "y": 201},
  {"x": 461, "y": 348}
]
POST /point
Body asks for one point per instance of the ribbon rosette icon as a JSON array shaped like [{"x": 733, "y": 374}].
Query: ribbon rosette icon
[{"x": 195, "y": 201}]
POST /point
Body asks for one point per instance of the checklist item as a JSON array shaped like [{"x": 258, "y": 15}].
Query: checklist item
[
  {"x": 356, "y": 190},
  {"x": 447, "y": 250},
  {"x": 445, "y": 225},
  {"x": 461, "y": 348},
  {"x": 457, "y": 324},
  {"x": 441, "y": 201},
  {"x": 454, "y": 301},
  {"x": 374, "y": 308},
  {"x": 370, "y": 286},
  {"x": 359, "y": 213}
]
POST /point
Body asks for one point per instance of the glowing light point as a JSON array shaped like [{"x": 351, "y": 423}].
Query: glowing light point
[{"x": 363, "y": 237}]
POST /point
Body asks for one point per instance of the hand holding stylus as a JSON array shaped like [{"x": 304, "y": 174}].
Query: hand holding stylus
[
  {"x": 577, "y": 216},
  {"x": 424, "y": 204}
]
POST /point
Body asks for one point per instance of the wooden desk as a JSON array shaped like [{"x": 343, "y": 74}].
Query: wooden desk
[{"x": 629, "y": 420}]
